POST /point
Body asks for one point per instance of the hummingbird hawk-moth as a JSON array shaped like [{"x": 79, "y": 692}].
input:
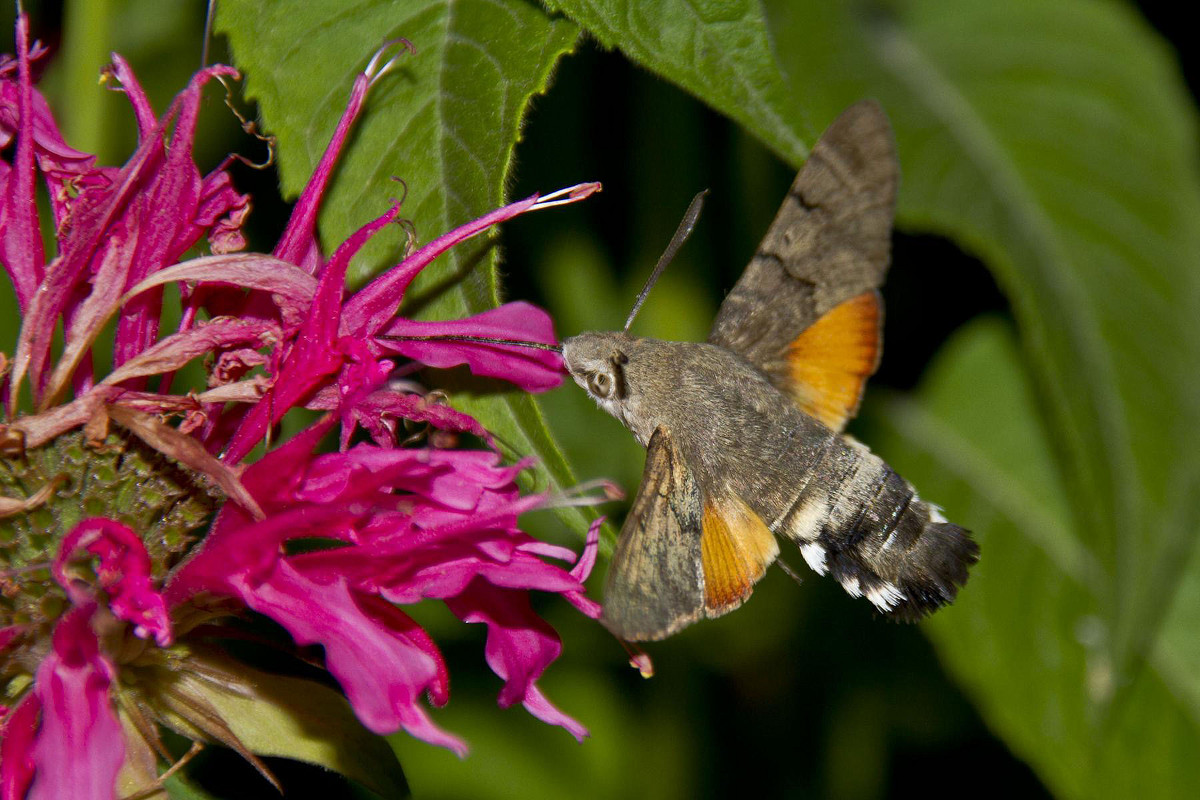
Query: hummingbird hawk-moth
[{"x": 743, "y": 432}]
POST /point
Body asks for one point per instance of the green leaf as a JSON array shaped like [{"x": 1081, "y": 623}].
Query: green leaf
[
  {"x": 277, "y": 715},
  {"x": 445, "y": 121},
  {"x": 1026, "y": 636},
  {"x": 716, "y": 49}
]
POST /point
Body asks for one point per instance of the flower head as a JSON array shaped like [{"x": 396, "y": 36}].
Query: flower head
[{"x": 127, "y": 541}]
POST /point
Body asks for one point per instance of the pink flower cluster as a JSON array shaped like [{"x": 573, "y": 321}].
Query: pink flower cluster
[{"x": 398, "y": 524}]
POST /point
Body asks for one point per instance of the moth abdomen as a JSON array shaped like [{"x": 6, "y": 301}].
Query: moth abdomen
[
  {"x": 861, "y": 523},
  {"x": 908, "y": 571}
]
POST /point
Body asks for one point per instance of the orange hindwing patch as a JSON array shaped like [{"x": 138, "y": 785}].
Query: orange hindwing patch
[
  {"x": 829, "y": 363},
  {"x": 735, "y": 549}
]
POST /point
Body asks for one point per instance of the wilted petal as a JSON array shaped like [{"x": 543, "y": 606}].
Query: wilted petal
[
  {"x": 174, "y": 351},
  {"x": 80, "y": 746},
  {"x": 245, "y": 270},
  {"x": 222, "y": 211}
]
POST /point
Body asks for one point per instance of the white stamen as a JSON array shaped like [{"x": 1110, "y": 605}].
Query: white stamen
[
  {"x": 373, "y": 71},
  {"x": 571, "y": 194}
]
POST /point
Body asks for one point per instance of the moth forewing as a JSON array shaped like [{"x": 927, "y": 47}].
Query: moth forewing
[{"x": 655, "y": 583}]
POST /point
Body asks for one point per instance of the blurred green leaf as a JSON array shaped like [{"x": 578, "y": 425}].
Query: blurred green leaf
[
  {"x": 278, "y": 715},
  {"x": 1057, "y": 141},
  {"x": 633, "y": 751},
  {"x": 445, "y": 121},
  {"x": 1026, "y": 637}
]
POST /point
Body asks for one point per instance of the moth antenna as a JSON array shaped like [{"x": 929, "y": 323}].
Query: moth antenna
[
  {"x": 462, "y": 337},
  {"x": 681, "y": 235}
]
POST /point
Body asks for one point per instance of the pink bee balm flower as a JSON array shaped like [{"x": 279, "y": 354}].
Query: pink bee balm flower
[{"x": 128, "y": 544}]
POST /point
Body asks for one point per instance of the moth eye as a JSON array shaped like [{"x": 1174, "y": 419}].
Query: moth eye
[{"x": 600, "y": 384}]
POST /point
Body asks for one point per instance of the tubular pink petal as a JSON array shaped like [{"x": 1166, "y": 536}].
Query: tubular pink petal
[
  {"x": 324, "y": 316},
  {"x": 536, "y": 704},
  {"x": 20, "y": 234},
  {"x": 80, "y": 744},
  {"x": 395, "y": 619},
  {"x": 371, "y": 308},
  {"x": 382, "y": 672},
  {"x": 17, "y": 736},
  {"x": 301, "y": 227},
  {"x": 123, "y": 571},
  {"x": 591, "y": 546},
  {"x": 532, "y": 369},
  {"x": 167, "y": 221},
  {"x": 520, "y": 645},
  {"x": 143, "y": 112}
]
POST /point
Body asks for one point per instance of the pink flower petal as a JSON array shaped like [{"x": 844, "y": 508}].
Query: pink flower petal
[
  {"x": 299, "y": 233},
  {"x": 246, "y": 270},
  {"x": 80, "y": 745},
  {"x": 8, "y": 635},
  {"x": 128, "y": 83},
  {"x": 382, "y": 671},
  {"x": 583, "y": 568},
  {"x": 166, "y": 220},
  {"x": 20, "y": 236},
  {"x": 373, "y": 307},
  {"x": 124, "y": 572},
  {"x": 520, "y": 645},
  {"x": 16, "y": 748},
  {"x": 532, "y": 369}
]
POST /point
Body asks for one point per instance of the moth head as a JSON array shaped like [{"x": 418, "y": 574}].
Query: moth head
[{"x": 597, "y": 363}]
